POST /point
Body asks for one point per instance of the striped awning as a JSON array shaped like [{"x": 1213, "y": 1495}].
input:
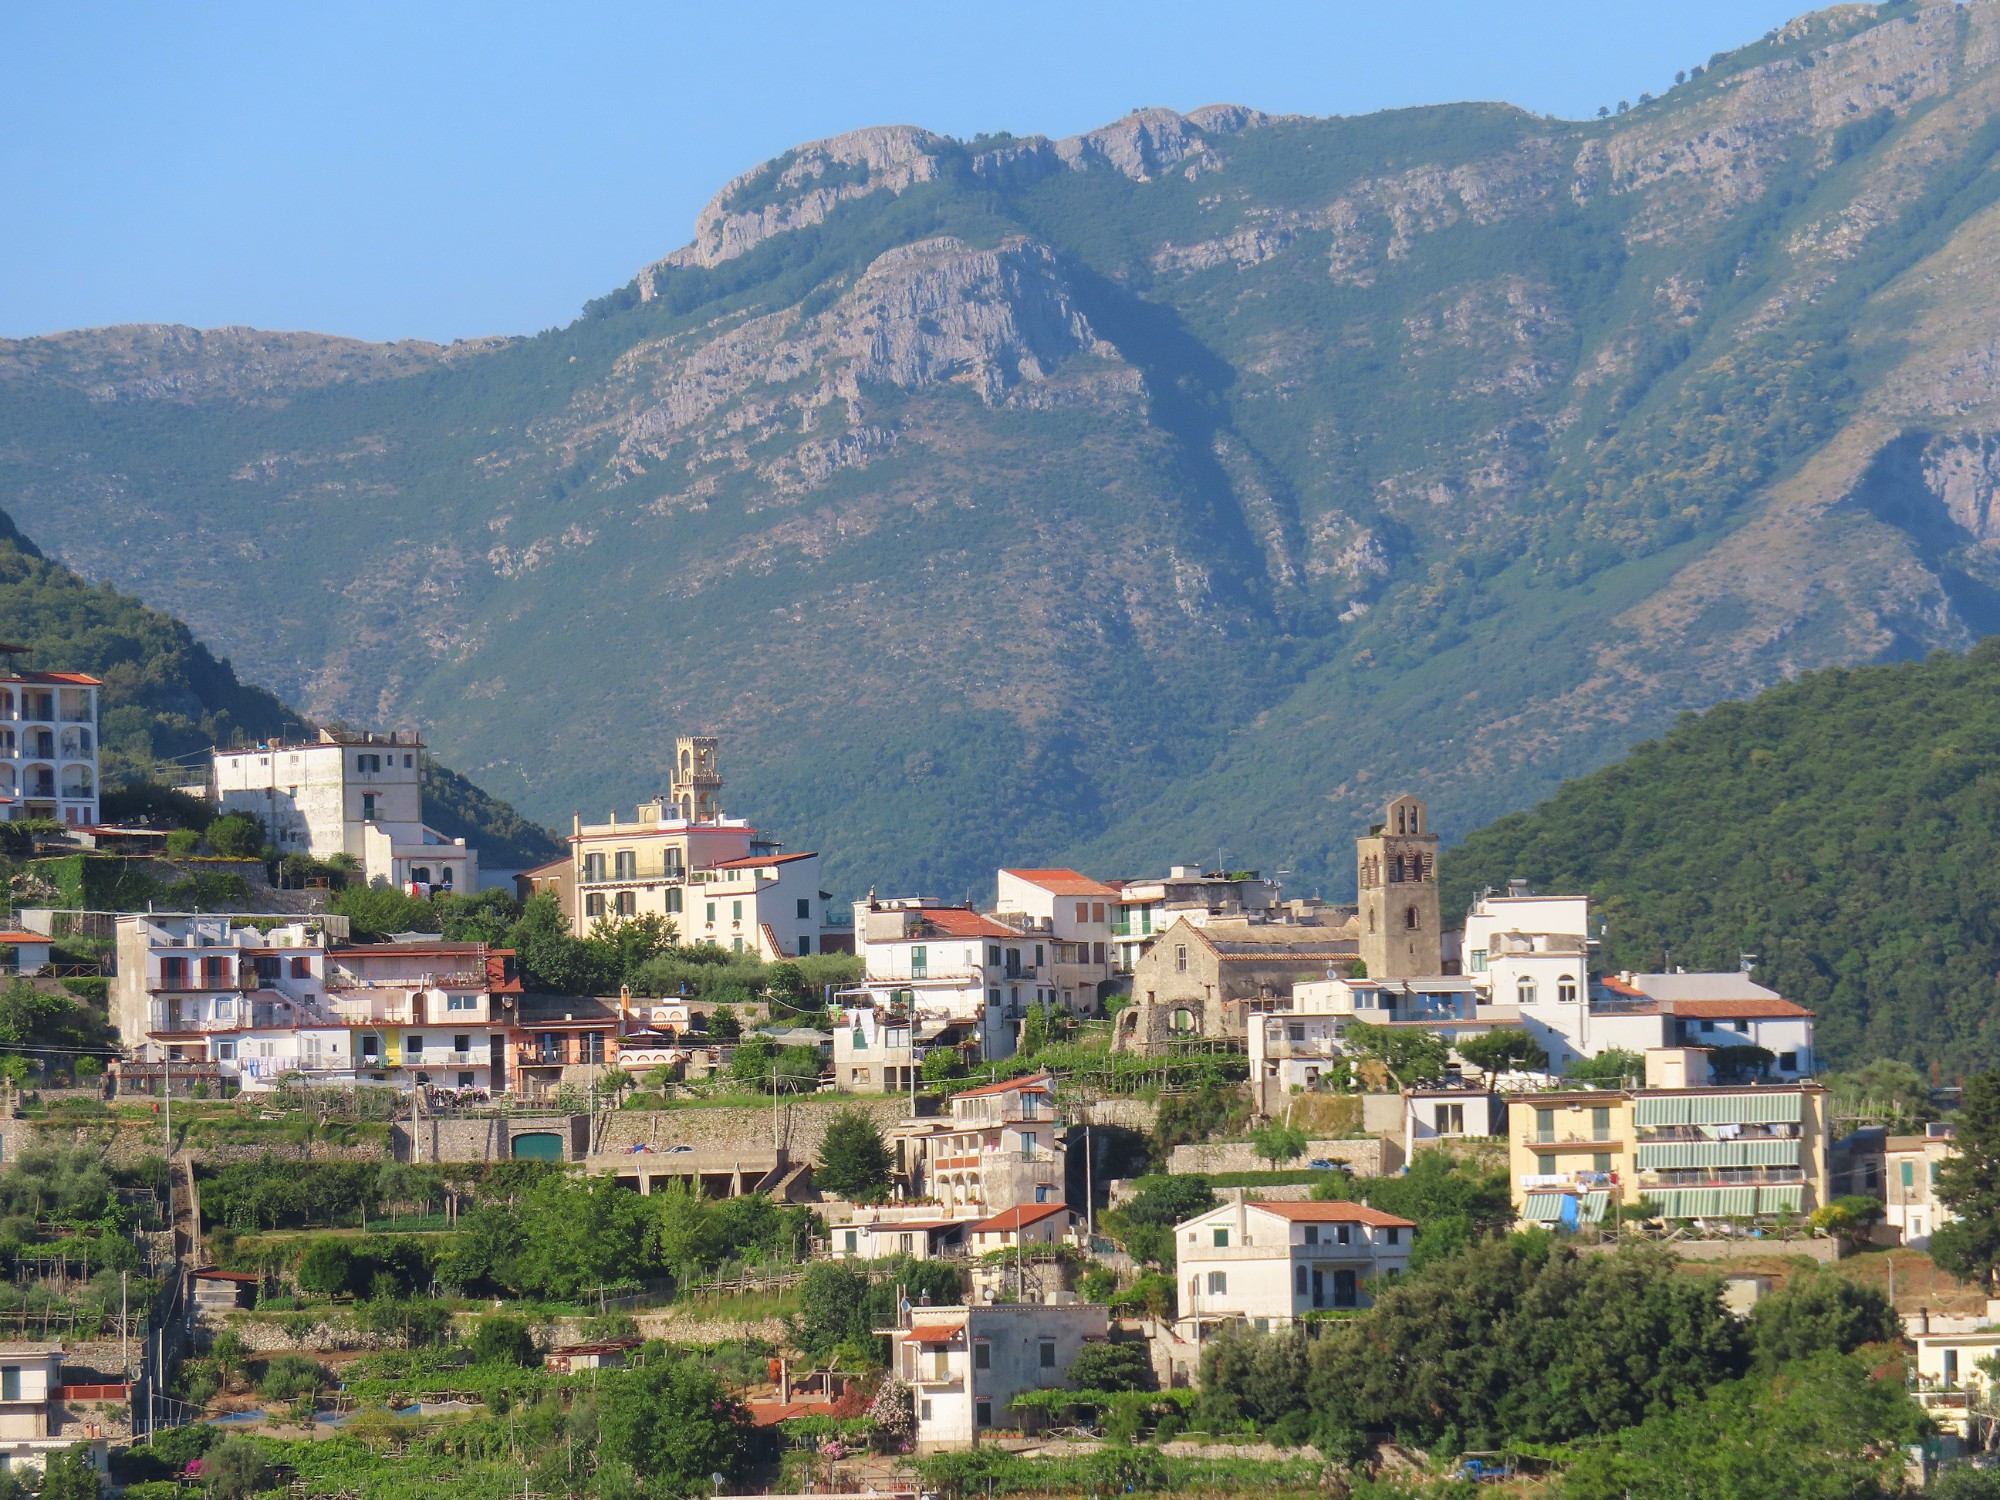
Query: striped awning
[
  {"x": 1726, "y": 1202},
  {"x": 1761, "y": 1107},
  {"x": 1659, "y": 1156},
  {"x": 1543, "y": 1208},
  {"x": 1590, "y": 1208}
]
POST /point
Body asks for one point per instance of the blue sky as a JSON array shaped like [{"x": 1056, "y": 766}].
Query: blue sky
[{"x": 445, "y": 170}]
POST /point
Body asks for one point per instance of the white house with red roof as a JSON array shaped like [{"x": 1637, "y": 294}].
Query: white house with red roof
[
  {"x": 681, "y": 857},
  {"x": 926, "y": 959},
  {"x": 1270, "y": 1264},
  {"x": 1072, "y": 914},
  {"x": 1023, "y": 1226},
  {"x": 1002, "y": 1146},
  {"x": 1714, "y": 1010},
  {"x": 48, "y": 745}
]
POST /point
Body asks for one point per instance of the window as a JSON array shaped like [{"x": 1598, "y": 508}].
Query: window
[
  {"x": 1566, "y": 990},
  {"x": 1218, "y": 1283},
  {"x": 674, "y": 899},
  {"x": 1477, "y": 960},
  {"x": 593, "y": 867},
  {"x": 1097, "y": 911},
  {"x": 1545, "y": 1125},
  {"x": 1299, "y": 1281},
  {"x": 1451, "y": 1119},
  {"x": 1038, "y": 955},
  {"x": 1180, "y": 957},
  {"x": 371, "y": 1046},
  {"x": 1788, "y": 1062},
  {"x": 10, "y": 1383},
  {"x": 414, "y": 1044},
  {"x": 711, "y": 913},
  {"x": 982, "y": 1413},
  {"x": 368, "y": 764},
  {"x": 465, "y": 1080},
  {"x": 1344, "y": 1289},
  {"x": 736, "y": 911},
  {"x": 1082, "y": 912},
  {"x": 460, "y": 1002},
  {"x": 920, "y": 961},
  {"x": 1312, "y": 1234},
  {"x": 225, "y": 1051},
  {"x": 1600, "y": 1161},
  {"x": 1182, "y": 1020},
  {"x": 302, "y": 968},
  {"x": 1395, "y": 1234},
  {"x": 805, "y": 945},
  {"x": 409, "y": 761},
  {"x": 1600, "y": 1124},
  {"x": 1909, "y": 1174},
  {"x": 593, "y": 904},
  {"x": 982, "y": 1354},
  {"x": 1410, "y": 921},
  {"x": 924, "y": 1411},
  {"x": 805, "y": 908},
  {"x": 626, "y": 864},
  {"x": 1934, "y": 1176},
  {"x": 1222, "y": 1239},
  {"x": 367, "y": 807},
  {"x": 1343, "y": 1233},
  {"x": 993, "y": 953},
  {"x": 1097, "y": 953},
  {"x": 1048, "y": 1354},
  {"x": 1950, "y": 1367},
  {"x": 1524, "y": 991}
]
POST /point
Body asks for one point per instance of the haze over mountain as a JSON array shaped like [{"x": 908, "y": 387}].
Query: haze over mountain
[{"x": 1178, "y": 489}]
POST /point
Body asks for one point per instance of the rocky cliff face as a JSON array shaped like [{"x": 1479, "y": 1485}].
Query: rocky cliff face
[{"x": 1192, "y": 481}]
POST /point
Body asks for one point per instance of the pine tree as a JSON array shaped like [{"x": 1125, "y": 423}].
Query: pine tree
[
  {"x": 1969, "y": 1185},
  {"x": 853, "y": 1161}
]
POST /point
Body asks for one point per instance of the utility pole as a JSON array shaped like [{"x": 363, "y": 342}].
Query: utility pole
[
  {"x": 167, "y": 1120},
  {"x": 1089, "y": 1187}
]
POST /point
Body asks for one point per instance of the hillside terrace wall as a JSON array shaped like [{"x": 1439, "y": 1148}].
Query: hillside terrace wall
[
  {"x": 802, "y": 1126},
  {"x": 1374, "y": 1157}
]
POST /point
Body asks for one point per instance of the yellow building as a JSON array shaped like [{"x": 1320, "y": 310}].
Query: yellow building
[{"x": 1706, "y": 1153}]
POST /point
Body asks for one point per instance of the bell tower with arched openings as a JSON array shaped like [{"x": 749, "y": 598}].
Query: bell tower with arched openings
[
  {"x": 696, "y": 792},
  {"x": 1396, "y": 871}
]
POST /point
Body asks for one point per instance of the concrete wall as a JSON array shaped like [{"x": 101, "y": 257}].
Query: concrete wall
[
  {"x": 485, "y": 1139},
  {"x": 1374, "y": 1157}
]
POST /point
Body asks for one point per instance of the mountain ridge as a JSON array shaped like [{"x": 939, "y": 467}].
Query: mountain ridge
[{"x": 1184, "y": 483}]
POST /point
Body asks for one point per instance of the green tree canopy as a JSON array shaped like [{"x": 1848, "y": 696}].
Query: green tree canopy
[
  {"x": 1820, "y": 1310},
  {"x": 854, "y": 1162},
  {"x": 1969, "y": 1185},
  {"x": 672, "y": 1425}
]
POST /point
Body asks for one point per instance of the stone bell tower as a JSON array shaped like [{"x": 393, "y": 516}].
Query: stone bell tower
[
  {"x": 696, "y": 792},
  {"x": 1396, "y": 869}
]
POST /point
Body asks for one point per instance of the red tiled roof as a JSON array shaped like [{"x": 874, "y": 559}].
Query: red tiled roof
[
  {"x": 960, "y": 921},
  {"x": 1019, "y": 1217},
  {"x": 24, "y": 937},
  {"x": 907, "y": 1226},
  {"x": 79, "y": 679},
  {"x": 1739, "y": 1010},
  {"x": 751, "y": 862},
  {"x": 933, "y": 1333},
  {"x": 1335, "y": 1213},
  {"x": 771, "y": 1413},
  {"x": 1005, "y": 1085},
  {"x": 414, "y": 950},
  {"x": 554, "y": 864},
  {"x": 1063, "y": 882}
]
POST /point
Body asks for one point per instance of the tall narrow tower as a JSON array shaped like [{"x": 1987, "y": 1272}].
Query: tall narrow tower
[
  {"x": 1396, "y": 868},
  {"x": 697, "y": 784}
]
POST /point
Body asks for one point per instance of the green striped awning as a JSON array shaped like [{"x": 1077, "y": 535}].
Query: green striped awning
[
  {"x": 1590, "y": 1210},
  {"x": 1726, "y": 1202},
  {"x": 1659, "y": 1156},
  {"x": 1543, "y": 1208},
  {"x": 1762, "y": 1107}
]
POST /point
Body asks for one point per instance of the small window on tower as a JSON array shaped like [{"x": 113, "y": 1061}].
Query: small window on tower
[{"x": 1410, "y": 918}]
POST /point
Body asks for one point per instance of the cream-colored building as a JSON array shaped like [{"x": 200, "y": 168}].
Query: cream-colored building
[
  {"x": 1271, "y": 1264},
  {"x": 39, "y": 1416},
  {"x": 355, "y": 794},
  {"x": 1693, "y": 1153},
  {"x": 1951, "y": 1381},
  {"x": 965, "y": 1365},
  {"x": 1002, "y": 1146},
  {"x": 48, "y": 746},
  {"x": 1071, "y": 913},
  {"x": 716, "y": 878}
]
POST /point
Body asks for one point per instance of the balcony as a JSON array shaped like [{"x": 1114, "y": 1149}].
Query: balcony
[{"x": 1574, "y": 1143}]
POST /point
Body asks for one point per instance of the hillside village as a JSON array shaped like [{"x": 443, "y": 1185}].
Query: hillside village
[{"x": 1027, "y": 1180}]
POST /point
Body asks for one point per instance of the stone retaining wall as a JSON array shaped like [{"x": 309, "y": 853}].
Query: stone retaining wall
[
  {"x": 1373, "y": 1157},
  {"x": 802, "y": 1125}
]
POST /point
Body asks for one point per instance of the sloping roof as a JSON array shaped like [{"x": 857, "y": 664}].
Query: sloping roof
[
  {"x": 1334, "y": 1213},
  {"x": 1005, "y": 1086},
  {"x": 1019, "y": 1217},
  {"x": 413, "y": 950},
  {"x": 75, "y": 679},
  {"x": 1063, "y": 882},
  {"x": 17, "y": 938},
  {"x": 1726, "y": 985},
  {"x": 956, "y": 921},
  {"x": 750, "y": 862},
  {"x": 1773, "y": 1009},
  {"x": 562, "y": 862},
  {"x": 934, "y": 1333},
  {"x": 906, "y": 1226}
]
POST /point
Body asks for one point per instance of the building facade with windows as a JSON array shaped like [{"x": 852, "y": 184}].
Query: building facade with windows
[
  {"x": 1691, "y": 1153},
  {"x": 1002, "y": 1146},
  {"x": 1072, "y": 914},
  {"x": 40, "y": 1416},
  {"x": 48, "y": 746},
  {"x": 966, "y": 1364},
  {"x": 716, "y": 878},
  {"x": 1269, "y": 1264},
  {"x": 921, "y": 957},
  {"x": 354, "y": 794},
  {"x": 1216, "y": 979}
]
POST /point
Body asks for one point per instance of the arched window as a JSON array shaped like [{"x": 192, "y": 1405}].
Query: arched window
[
  {"x": 1524, "y": 991},
  {"x": 1566, "y": 989},
  {"x": 1181, "y": 1020},
  {"x": 421, "y": 874},
  {"x": 1410, "y": 919}
]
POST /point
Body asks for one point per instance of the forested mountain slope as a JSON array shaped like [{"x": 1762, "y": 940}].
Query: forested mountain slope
[
  {"x": 167, "y": 699},
  {"x": 1844, "y": 828},
  {"x": 1191, "y": 483}
]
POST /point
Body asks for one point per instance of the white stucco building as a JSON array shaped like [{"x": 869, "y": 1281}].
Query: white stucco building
[
  {"x": 1001, "y": 1146},
  {"x": 1072, "y": 914},
  {"x": 922, "y": 957},
  {"x": 355, "y": 794},
  {"x": 39, "y": 1416},
  {"x": 48, "y": 746},
  {"x": 966, "y": 1365},
  {"x": 1269, "y": 1264}
]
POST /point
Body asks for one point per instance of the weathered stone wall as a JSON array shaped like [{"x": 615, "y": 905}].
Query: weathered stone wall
[
  {"x": 801, "y": 1126},
  {"x": 1374, "y": 1157}
]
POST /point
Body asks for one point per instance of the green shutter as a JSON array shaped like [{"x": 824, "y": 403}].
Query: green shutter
[{"x": 1765, "y": 1107}]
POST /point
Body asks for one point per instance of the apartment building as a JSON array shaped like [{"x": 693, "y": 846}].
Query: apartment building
[
  {"x": 426, "y": 1013},
  {"x": 681, "y": 857},
  {"x": 1072, "y": 914},
  {"x": 965, "y": 1365},
  {"x": 922, "y": 957},
  {"x": 879, "y": 1050},
  {"x": 1270, "y": 1264},
  {"x": 1692, "y": 1153},
  {"x": 359, "y": 794},
  {"x": 48, "y": 745},
  {"x": 1142, "y": 910},
  {"x": 40, "y": 1416},
  {"x": 1001, "y": 1147},
  {"x": 558, "y": 1040},
  {"x": 1902, "y": 1172}
]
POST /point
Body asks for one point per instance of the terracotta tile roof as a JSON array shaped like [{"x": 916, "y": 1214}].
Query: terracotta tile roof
[
  {"x": 1739, "y": 1010},
  {"x": 751, "y": 862},
  {"x": 414, "y": 950},
  {"x": 958, "y": 921},
  {"x": 1334, "y": 1213},
  {"x": 933, "y": 1333},
  {"x": 1063, "y": 882},
  {"x": 905, "y": 1226},
  {"x": 1005, "y": 1085},
  {"x": 77, "y": 679},
  {"x": 1019, "y": 1217},
  {"x": 24, "y": 937}
]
